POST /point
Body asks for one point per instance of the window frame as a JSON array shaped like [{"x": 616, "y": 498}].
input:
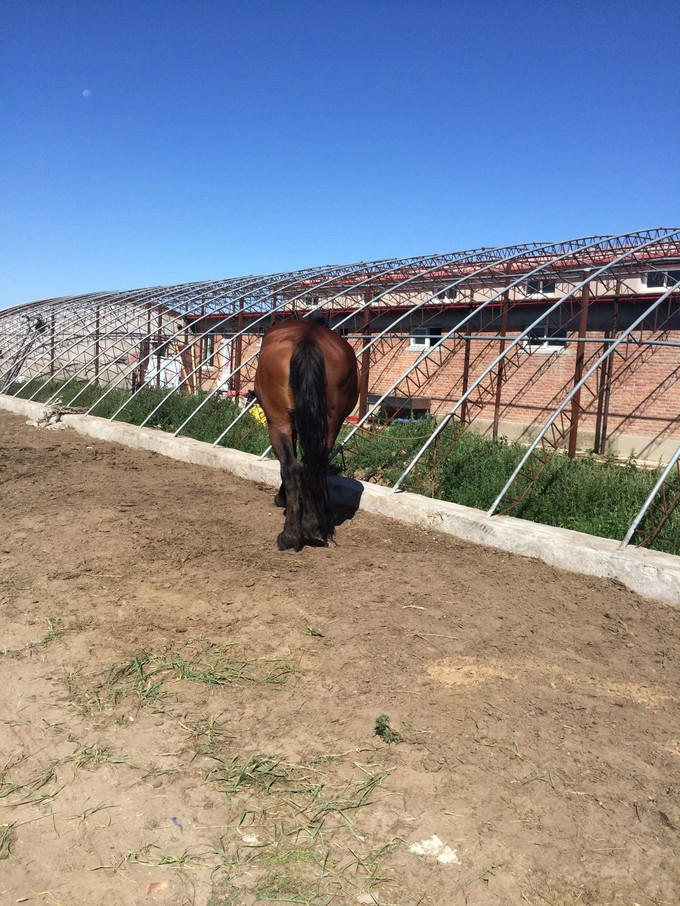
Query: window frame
[
  {"x": 665, "y": 279},
  {"x": 548, "y": 345},
  {"x": 544, "y": 287},
  {"x": 428, "y": 333},
  {"x": 208, "y": 353}
]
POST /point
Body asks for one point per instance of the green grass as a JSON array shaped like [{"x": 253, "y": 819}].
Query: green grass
[
  {"x": 583, "y": 494},
  {"x": 385, "y": 731},
  {"x": 173, "y": 409}
]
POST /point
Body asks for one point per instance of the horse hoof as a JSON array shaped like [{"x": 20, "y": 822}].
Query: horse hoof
[
  {"x": 287, "y": 542},
  {"x": 280, "y": 501},
  {"x": 316, "y": 540}
]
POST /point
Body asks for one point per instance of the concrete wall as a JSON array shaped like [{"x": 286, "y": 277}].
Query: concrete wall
[{"x": 646, "y": 572}]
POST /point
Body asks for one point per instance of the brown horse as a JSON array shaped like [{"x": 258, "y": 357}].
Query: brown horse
[{"x": 307, "y": 384}]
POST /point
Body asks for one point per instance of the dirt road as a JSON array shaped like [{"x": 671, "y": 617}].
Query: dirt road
[{"x": 187, "y": 716}]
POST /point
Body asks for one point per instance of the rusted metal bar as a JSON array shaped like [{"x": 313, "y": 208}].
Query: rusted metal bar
[
  {"x": 237, "y": 351},
  {"x": 500, "y": 373},
  {"x": 605, "y": 389},
  {"x": 365, "y": 355},
  {"x": 578, "y": 370}
]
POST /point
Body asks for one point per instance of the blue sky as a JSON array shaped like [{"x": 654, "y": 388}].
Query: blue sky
[{"x": 162, "y": 141}]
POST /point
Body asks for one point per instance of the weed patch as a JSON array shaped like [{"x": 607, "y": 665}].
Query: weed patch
[
  {"x": 286, "y": 813},
  {"x": 6, "y": 840},
  {"x": 150, "y": 679},
  {"x": 384, "y": 731}
]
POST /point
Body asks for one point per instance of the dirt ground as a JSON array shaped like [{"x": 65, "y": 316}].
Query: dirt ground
[{"x": 188, "y": 716}]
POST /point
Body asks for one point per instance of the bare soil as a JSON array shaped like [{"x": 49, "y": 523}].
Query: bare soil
[{"x": 187, "y": 715}]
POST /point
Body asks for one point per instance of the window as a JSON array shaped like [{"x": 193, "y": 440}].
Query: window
[
  {"x": 449, "y": 293},
  {"x": 541, "y": 287},
  {"x": 662, "y": 279},
  {"x": 544, "y": 338},
  {"x": 424, "y": 337},
  {"x": 208, "y": 350}
]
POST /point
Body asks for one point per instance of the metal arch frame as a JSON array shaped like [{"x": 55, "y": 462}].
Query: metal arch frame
[
  {"x": 398, "y": 266},
  {"x": 268, "y": 313},
  {"x": 207, "y": 288},
  {"x": 544, "y": 267},
  {"x": 110, "y": 300},
  {"x": 301, "y": 277},
  {"x": 147, "y": 298},
  {"x": 633, "y": 356},
  {"x": 577, "y": 386},
  {"x": 172, "y": 295},
  {"x": 114, "y": 318},
  {"x": 209, "y": 297},
  {"x": 463, "y": 256},
  {"x": 48, "y": 306},
  {"x": 571, "y": 249},
  {"x": 371, "y": 302},
  {"x": 197, "y": 291},
  {"x": 240, "y": 333},
  {"x": 649, "y": 504},
  {"x": 197, "y": 339},
  {"x": 513, "y": 344}
]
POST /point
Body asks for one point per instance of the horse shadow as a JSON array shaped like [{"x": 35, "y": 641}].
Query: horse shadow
[{"x": 345, "y": 494}]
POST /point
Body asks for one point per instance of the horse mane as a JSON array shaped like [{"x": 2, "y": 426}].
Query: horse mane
[{"x": 308, "y": 382}]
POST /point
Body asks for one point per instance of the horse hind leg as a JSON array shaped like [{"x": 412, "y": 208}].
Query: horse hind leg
[
  {"x": 291, "y": 536},
  {"x": 280, "y": 497},
  {"x": 313, "y": 532}
]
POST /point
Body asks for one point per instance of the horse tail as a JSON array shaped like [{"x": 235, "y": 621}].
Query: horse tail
[{"x": 308, "y": 382}]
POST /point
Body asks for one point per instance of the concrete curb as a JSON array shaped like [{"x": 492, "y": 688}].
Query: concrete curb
[{"x": 644, "y": 571}]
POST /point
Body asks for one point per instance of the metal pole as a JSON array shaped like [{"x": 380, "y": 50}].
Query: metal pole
[
  {"x": 53, "y": 321},
  {"x": 365, "y": 355},
  {"x": 604, "y": 396},
  {"x": 501, "y": 365},
  {"x": 237, "y": 351},
  {"x": 648, "y": 502},
  {"x": 578, "y": 370},
  {"x": 466, "y": 378},
  {"x": 96, "y": 344}
]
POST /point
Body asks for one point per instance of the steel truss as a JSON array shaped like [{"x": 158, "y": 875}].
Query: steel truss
[{"x": 119, "y": 340}]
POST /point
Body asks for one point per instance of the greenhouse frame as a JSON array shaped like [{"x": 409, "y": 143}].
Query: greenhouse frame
[{"x": 570, "y": 347}]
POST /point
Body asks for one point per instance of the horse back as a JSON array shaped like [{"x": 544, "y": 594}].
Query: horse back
[{"x": 272, "y": 380}]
